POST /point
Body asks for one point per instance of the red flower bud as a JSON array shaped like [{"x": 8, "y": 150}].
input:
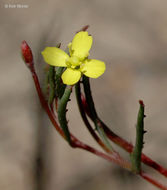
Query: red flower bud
[{"x": 27, "y": 54}]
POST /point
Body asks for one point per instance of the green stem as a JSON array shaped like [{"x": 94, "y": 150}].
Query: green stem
[
  {"x": 89, "y": 97},
  {"x": 93, "y": 113},
  {"x": 51, "y": 78},
  {"x": 102, "y": 134},
  {"x": 85, "y": 120}
]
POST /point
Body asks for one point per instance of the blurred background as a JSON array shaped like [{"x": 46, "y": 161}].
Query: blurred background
[{"x": 131, "y": 38}]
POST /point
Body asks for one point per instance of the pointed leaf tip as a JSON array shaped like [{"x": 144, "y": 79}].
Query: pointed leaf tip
[{"x": 141, "y": 103}]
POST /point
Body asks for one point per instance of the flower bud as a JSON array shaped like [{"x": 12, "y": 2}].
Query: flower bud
[{"x": 27, "y": 54}]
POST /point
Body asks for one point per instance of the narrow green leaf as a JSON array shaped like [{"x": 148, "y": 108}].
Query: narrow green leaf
[
  {"x": 137, "y": 151},
  {"x": 102, "y": 135},
  {"x": 62, "y": 104},
  {"x": 59, "y": 86},
  {"x": 89, "y": 97},
  {"x": 93, "y": 112},
  {"x": 49, "y": 83}
]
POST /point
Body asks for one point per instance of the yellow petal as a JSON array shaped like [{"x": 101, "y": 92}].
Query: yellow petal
[
  {"x": 55, "y": 56},
  {"x": 71, "y": 76},
  {"x": 81, "y": 44},
  {"x": 93, "y": 68}
]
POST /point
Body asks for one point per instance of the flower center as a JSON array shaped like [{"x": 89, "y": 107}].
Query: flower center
[{"x": 73, "y": 62}]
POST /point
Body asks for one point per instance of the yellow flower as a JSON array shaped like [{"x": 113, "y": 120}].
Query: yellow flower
[{"x": 77, "y": 62}]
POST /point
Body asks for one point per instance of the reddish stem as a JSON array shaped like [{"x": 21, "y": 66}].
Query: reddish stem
[
  {"x": 44, "y": 103},
  {"x": 77, "y": 143},
  {"x": 114, "y": 157},
  {"x": 129, "y": 147},
  {"x": 152, "y": 181},
  {"x": 125, "y": 144},
  {"x": 85, "y": 120}
]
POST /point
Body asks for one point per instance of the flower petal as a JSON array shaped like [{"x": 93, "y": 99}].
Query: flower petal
[
  {"x": 93, "y": 68},
  {"x": 71, "y": 76},
  {"x": 81, "y": 44},
  {"x": 55, "y": 56}
]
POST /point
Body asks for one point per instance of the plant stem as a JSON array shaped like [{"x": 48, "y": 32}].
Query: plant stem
[
  {"x": 78, "y": 144},
  {"x": 75, "y": 142},
  {"x": 44, "y": 103},
  {"x": 128, "y": 147},
  {"x": 85, "y": 120},
  {"x": 112, "y": 157},
  {"x": 93, "y": 113},
  {"x": 152, "y": 181}
]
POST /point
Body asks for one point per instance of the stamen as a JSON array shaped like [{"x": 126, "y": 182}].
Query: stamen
[{"x": 73, "y": 62}]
